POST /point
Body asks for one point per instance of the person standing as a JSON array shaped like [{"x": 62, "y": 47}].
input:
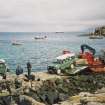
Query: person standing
[
  {"x": 19, "y": 70},
  {"x": 29, "y": 66}
]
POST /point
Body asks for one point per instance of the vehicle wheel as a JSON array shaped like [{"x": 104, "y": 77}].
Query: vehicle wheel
[
  {"x": 72, "y": 66},
  {"x": 58, "y": 71},
  {"x": 50, "y": 71}
]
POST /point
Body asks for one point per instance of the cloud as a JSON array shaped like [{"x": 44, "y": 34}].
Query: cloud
[{"x": 51, "y": 15}]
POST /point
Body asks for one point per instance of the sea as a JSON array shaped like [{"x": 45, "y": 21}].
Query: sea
[{"x": 42, "y": 52}]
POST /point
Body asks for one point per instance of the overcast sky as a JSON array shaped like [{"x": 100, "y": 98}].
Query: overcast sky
[{"x": 51, "y": 15}]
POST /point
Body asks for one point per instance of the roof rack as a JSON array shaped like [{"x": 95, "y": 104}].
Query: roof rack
[{"x": 64, "y": 56}]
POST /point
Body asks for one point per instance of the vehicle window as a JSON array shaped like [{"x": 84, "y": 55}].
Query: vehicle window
[
  {"x": 69, "y": 58},
  {"x": 2, "y": 66},
  {"x": 55, "y": 62},
  {"x": 59, "y": 61},
  {"x": 64, "y": 61},
  {"x": 72, "y": 57}
]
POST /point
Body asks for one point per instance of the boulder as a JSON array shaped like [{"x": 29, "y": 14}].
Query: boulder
[
  {"x": 29, "y": 100},
  {"x": 95, "y": 103}
]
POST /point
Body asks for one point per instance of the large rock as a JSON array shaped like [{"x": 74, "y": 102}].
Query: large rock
[
  {"x": 30, "y": 100},
  {"x": 95, "y": 103}
]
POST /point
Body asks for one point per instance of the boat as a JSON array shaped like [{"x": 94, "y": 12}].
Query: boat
[
  {"x": 59, "y": 32},
  {"x": 95, "y": 37},
  {"x": 38, "y": 37},
  {"x": 15, "y": 43}
]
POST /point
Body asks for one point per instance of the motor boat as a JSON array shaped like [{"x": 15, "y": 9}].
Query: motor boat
[
  {"x": 15, "y": 43},
  {"x": 95, "y": 37},
  {"x": 38, "y": 37}
]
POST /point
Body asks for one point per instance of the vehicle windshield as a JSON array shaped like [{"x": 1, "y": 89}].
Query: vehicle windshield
[
  {"x": 2, "y": 66},
  {"x": 58, "y": 61}
]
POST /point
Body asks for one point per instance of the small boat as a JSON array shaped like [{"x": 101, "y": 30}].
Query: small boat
[
  {"x": 38, "y": 37},
  {"x": 59, "y": 32},
  {"x": 15, "y": 43},
  {"x": 95, "y": 37}
]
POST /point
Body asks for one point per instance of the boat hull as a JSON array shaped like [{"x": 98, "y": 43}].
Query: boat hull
[{"x": 95, "y": 37}]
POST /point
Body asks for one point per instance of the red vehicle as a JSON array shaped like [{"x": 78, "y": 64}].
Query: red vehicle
[{"x": 94, "y": 64}]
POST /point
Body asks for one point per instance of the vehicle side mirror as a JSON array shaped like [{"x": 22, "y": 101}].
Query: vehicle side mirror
[{"x": 8, "y": 70}]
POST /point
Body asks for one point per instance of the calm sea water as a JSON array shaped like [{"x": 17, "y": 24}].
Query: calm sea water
[{"x": 41, "y": 52}]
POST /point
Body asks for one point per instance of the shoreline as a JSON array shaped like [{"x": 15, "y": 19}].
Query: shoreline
[
  {"x": 60, "y": 90},
  {"x": 43, "y": 75}
]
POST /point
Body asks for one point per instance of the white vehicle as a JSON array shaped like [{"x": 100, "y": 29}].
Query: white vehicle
[
  {"x": 62, "y": 62},
  {"x": 3, "y": 67}
]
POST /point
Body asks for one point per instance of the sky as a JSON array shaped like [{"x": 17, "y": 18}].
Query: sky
[{"x": 51, "y": 15}]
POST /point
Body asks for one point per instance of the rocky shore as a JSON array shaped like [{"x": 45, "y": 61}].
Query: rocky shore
[{"x": 48, "y": 89}]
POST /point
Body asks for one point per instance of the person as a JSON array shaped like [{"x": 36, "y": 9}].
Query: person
[
  {"x": 29, "y": 66},
  {"x": 19, "y": 70}
]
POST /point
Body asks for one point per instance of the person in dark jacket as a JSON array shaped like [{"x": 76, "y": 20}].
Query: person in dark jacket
[
  {"x": 29, "y": 66},
  {"x": 19, "y": 70}
]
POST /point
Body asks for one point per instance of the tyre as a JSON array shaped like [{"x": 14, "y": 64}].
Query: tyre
[
  {"x": 72, "y": 66},
  {"x": 50, "y": 71},
  {"x": 58, "y": 71}
]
